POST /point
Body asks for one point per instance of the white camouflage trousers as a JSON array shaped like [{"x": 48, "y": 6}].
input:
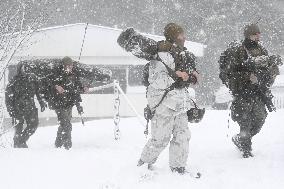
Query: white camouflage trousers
[{"x": 165, "y": 129}]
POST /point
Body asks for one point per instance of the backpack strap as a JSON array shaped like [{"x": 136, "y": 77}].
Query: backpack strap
[
  {"x": 165, "y": 94},
  {"x": 171, "y": 72},
  {"x": 173, "y": 75},
  {"x": 194, "y": 103},
  {"x": 154, "y": 111}
]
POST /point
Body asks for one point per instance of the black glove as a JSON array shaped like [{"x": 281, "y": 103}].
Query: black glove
[
  {"x": 43, "y": 105},
  {"x": 80, "y": 109},
  {"x": 106, "y": 78},
  {"x": 275, "y": 60},
  {"x": 192, "y": 79}
]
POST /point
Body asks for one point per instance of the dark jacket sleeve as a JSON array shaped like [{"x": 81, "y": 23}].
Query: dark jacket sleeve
[
  {"x": 39, "y": 92},
  {"x": 10, "y": 100},
  {"x": 190, "y": 61},
  {"x": 92, "y": 73}
]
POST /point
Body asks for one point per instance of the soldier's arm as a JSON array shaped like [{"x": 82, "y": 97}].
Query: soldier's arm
[
  {"x": 40, "y": 95},
  {"x": 191, "y": 61},
  {"x": 10, "y": 100},
  {"x": 194, "y": 76},
  {"x": 92, "y": 73},
  {"x": 239, "y": 70},
  {"x": 273, "y": 71},
  {"x": 102, "y": 74}
]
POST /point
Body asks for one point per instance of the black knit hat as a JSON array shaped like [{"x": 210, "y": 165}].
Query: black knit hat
[
  {"x": 251, "y": 29},
  {"x": 67, "y": 61}
]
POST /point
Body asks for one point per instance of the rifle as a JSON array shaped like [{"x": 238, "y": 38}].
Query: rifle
[
  {"x": 261, "y": 88},
  {"x": 80, "y": 112}
]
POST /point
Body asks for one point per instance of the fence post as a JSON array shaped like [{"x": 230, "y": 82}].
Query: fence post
[{"x": 116, "y": 117}]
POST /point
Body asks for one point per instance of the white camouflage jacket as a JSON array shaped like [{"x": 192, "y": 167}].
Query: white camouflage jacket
[{"x": 177, "y": 101}]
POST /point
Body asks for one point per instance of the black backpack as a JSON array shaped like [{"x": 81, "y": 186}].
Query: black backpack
[{"x": 145, "y": 75}]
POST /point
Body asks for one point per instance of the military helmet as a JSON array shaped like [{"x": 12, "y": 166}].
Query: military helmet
[
  {"x": 67, "y": 61},
  {"x": 171, "y": 31}
]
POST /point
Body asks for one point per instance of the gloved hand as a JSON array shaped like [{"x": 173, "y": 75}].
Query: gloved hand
[
  {"x": 192, "y": 79},
  {"x": 183, "y": 75},
  {"x": 275, "y": 60},
  {"x": 253, "y": 78},
  {"x": 80, "y": 109},
  {"x": 43, "y": 105},
  {"x": 261, "y": 61},
  {"x": 106, "y": 78}
]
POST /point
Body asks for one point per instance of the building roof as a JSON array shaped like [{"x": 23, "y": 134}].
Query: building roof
[{"x": 100, "y": 42}]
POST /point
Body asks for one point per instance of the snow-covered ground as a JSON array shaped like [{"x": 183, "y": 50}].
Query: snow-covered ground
[{"x": 98, "y": 161}]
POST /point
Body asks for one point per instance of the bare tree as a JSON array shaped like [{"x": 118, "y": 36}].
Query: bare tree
[{"x": 17, "y": 24}]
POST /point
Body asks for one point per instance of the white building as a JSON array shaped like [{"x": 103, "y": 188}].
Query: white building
[{"x": 100, "y": 48}]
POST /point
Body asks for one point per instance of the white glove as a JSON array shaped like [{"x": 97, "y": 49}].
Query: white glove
[{"x": 253, "y": 79}]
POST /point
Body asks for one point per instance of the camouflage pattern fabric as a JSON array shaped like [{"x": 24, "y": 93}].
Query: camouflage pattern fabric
[{"x": 165, "y": 129}]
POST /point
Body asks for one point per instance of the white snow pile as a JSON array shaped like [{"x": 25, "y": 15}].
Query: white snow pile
[{"x": 98, "y": 161}]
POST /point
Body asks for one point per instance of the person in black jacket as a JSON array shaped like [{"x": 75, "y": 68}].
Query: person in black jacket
[
  {"x": 19, "y": 99},
  {"x": 64, "y": 88},
  {"x": 248, "y": 70}
]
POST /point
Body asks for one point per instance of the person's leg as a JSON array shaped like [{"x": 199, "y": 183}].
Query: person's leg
[
  {"x": 59, "y": 136},
  {"x": 32, "y": 121},
  {"x": 18, "y": 132},
  {"x": 65, "y": 128},
  {"x": 179, "y": 145},
  {"x": 161, "y": 130},
  {"x": 242, "y": 113},
  {"x": 259, "y": 115}
]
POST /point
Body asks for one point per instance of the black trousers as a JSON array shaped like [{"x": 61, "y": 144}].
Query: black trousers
[
  {"x": 31, "y": 118},
  {"x": 65, "y": 128},
  {"x": 250, "y": 114}
]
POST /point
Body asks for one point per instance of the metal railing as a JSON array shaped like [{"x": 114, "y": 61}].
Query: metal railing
[{"x": 117, "y": 102}]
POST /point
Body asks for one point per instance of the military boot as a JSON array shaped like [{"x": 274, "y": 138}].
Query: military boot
[
  {"x": 59, "y": 138},
  {"x": 67, "y": 140},
  {"x": 244, "y": 145},
  {"x": 180, "y": 170},
  {"x": 149, "y": 166}
]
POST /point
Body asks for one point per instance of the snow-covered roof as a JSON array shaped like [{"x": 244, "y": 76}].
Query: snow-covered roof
[{"x": 100, "y": 42}]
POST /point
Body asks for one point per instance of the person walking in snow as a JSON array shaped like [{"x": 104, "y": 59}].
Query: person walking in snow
[
  {"x": 172, "y": 70},
  {"x": 62, "y": 93},
  {"x": 248, "y": 71},
  {"x": 19, "y": 99}
]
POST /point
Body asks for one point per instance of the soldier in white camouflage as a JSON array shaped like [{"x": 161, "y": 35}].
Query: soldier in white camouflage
[{"x": 173, "y": 69}]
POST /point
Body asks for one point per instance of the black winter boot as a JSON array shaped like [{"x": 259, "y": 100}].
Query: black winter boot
[
  {"x": 180, "y": 170},
  {"x": 59, "y": 138},
  {"x": 19, "y": 142},
  {"x": 149, "y": 166},
  {"x": 58, "y": 142},
  {"x": 244, "y": 145},
  {"x": 67, "y": 140}
]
